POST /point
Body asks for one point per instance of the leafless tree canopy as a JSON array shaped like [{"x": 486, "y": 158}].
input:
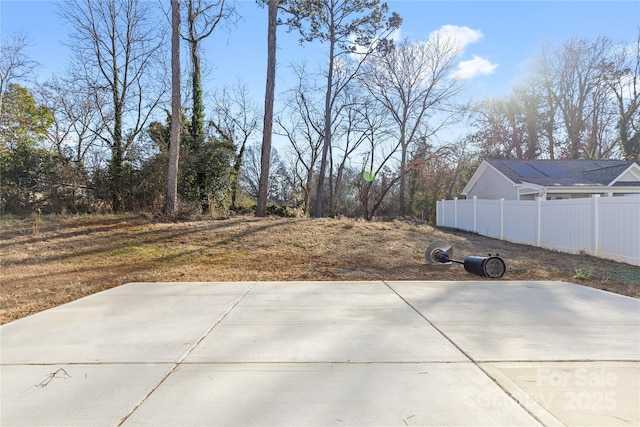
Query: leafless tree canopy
[
  {"x": 581, "y": 101},
  {"x": 15, "y": 63},
  {"x": 413, "y": 82},
  {"x": 362, "y": 135},
  {"x": 116, "y": 45}
]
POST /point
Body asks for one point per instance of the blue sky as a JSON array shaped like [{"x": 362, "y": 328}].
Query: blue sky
[{"x": 504, "y": 35}]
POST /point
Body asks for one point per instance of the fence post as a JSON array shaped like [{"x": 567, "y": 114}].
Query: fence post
[
  {"x": 455, "y": 212},
  {"x": 475, "y": 216},
  {"x": 596, "y": 223},
  {"x": 502, "y": 219},
  {"x": 437, "y": 213},
  {"x": 538, "y": 220}
]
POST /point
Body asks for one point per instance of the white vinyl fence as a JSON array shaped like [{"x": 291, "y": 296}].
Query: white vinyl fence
[{"x": 605, "y": 227}]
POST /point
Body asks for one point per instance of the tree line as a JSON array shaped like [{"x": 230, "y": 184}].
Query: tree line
[{"x": 125, "y": 128}]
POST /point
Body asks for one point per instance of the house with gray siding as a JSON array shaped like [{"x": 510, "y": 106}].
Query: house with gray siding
[{"x": 553, "y": 179}]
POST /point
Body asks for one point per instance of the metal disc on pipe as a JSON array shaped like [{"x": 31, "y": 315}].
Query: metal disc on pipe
[{"x": 436, "y": 249}]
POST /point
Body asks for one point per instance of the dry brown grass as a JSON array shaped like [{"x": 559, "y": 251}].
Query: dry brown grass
[{"x": 52, "y": 260}]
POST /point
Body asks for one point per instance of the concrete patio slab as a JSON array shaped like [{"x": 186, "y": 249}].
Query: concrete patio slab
[
  {"x": 321, "y": 394},
  {"x": 74, "y": 395},
  {"x": 141, "y": 322},
  {"x": 576, "y": 393},
  {"x": 510, "y": 321},
  {"x": 326, "y": 353},
  {"x": 304, "y": 322}
]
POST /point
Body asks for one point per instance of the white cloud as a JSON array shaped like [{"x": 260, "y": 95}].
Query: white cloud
[
  {"x": 474, "y": 67},
  {"x": 461, "y": 36}
]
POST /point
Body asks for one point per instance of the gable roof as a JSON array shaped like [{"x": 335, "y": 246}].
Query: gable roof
[{"x": 564, "y": 172}]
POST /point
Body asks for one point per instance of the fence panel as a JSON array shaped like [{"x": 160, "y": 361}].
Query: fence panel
[
  {"x": 618, "y": 232},
  {"x": 608, "y": 227},
  {"x": 448, "y": 214},
  {"x": 566, "y": 225},
  {"x": 488, "y": 218},
  {"x": 520, "y": 221},
  {"x": 465, "y": 215}
]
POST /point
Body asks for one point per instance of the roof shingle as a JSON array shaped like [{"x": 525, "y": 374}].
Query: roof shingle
[{"x": 561, "y": 172}]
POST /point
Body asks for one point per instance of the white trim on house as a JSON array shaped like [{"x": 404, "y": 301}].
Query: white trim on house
[
  {"x": 632, "y": 173},
  {"x": 529, "y": 191},
  {"x": 567, "y": 191},
  {"x": 589, "y": 190}
]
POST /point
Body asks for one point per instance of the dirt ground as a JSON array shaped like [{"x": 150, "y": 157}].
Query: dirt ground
[{"x": 48, "y": 261}]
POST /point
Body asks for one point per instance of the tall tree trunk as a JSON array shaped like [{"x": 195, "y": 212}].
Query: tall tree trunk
[
  {"x": 197, "y": 119},
  {"x": 171, "y": 200},
  {"x": 403, "y": 171},
  {"x": 265, "y": 160},
  {"x": 116, "y": 178},
  {"x": 117, "y": 151},
  {"x": 237, "y": 165},
  {"x": 326, "y": 142}
]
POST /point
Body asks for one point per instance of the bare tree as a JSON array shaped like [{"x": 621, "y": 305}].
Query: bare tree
[
  {"x": 573, "y": 73},
  {"x": 377, "y": 171},
  {"x": 600, "y": 139},
  {"x": 350, "y": 28},
  {"x": 349, "y": 138},
  {"x": 509, "y": 126},
  {"x": 582, "y": 101},
  {"x": 171, "y": 198},
  {"x": 413, "y": 82},
  {"x": 303, "y": 128},
  {"x": 77, "y": 123},
  {"x": 236, "y": 118},
  {"x": 435, "y": 174},
  {"x": 116, "y": 45},
  {"x": 202, "y": 18},
  {"x": 622, "y": 74},
  {"x": 534, "y": 120},
  {"x": 250, "y": 173},
  {"x": 549, "y": 112},
  {"x": 15, "y": 64}
]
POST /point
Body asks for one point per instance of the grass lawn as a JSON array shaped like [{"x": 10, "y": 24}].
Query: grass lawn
[{"x": 49, "y": 260}]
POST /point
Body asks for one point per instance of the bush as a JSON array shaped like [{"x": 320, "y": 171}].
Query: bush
[{"x": 281, "y": 211}]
